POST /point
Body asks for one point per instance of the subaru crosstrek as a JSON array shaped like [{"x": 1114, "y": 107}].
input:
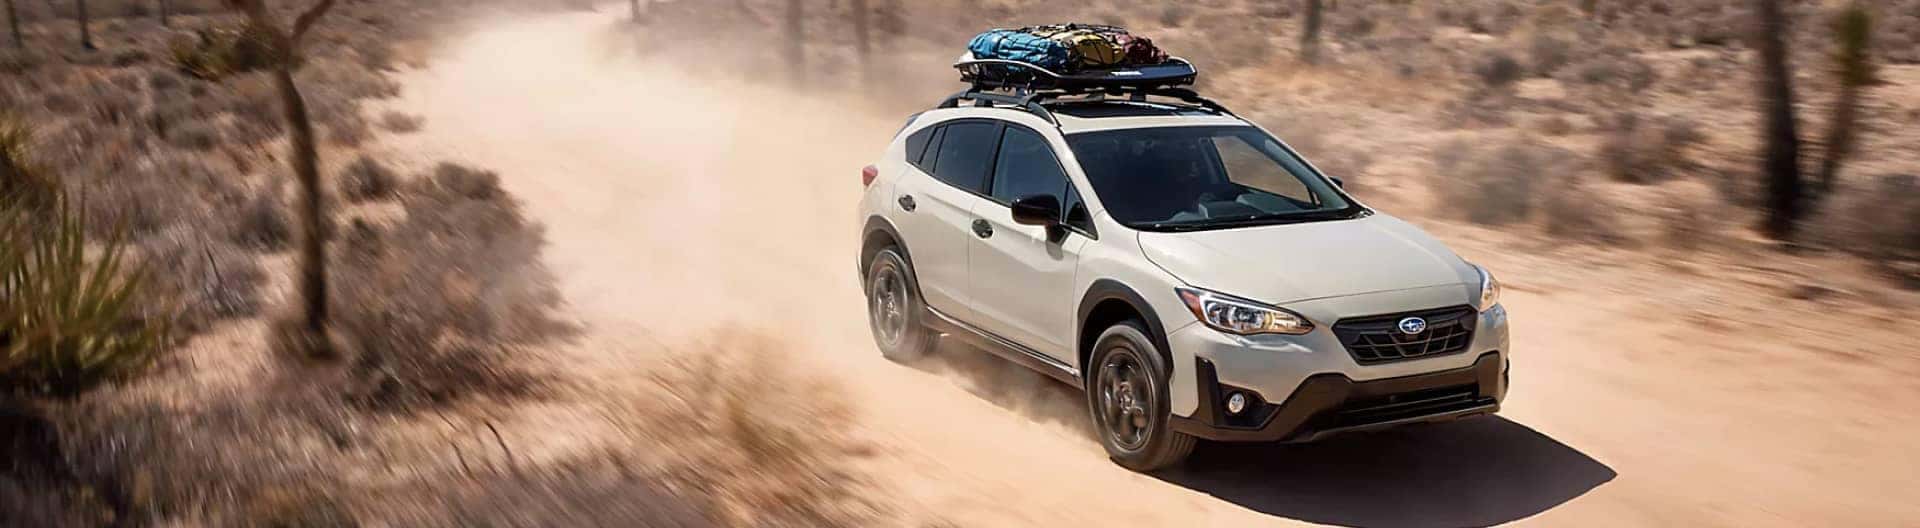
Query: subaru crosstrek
[{"x": 1193, "y": 274}]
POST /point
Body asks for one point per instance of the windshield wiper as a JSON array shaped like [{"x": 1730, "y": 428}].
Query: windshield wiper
[{"x": 1258, "y": 220}]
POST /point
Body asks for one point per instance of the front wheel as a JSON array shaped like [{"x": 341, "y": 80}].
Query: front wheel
[
  {"x": 1127, "y": 393},
  {"x": 894, "y": 310}
]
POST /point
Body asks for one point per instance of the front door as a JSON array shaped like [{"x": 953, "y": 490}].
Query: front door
[{"x": 1022, "y": 276}]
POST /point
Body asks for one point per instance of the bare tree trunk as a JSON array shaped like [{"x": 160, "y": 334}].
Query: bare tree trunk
[
  {"x": 1310, "y": 37},
  {"x": 796, "y": 42},
  {"x": 1853, "y": 64},
  {"x": 166, "y": 13},
  {"x": 1781, "y": 136},
  {"x": 86, "y": 34},
  {"x": 635, "y": 4},
  {"x": 306, "y": 165},
  {"x": 13, "y": 19},
  {"x": 862, "y": 36}
]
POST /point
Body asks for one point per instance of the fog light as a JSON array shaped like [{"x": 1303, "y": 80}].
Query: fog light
[{"x": 1237, "y": 402}]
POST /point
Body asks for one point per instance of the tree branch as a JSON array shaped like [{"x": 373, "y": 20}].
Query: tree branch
[{"x": 307, "y": 19}]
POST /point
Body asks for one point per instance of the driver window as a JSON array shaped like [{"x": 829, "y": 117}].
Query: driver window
[
  {"x": 1027, "y": 167},
  {"x": 1247, "y": 165}
]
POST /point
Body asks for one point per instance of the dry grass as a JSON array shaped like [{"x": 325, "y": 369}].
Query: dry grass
[
  {"x": 1496, "y": 184},
  {"x": 766, "y": 443},
  {"x": 367, "y": 179},
  {"x": 435, "y": 302},
  {"x": 1642, "y": 149}
]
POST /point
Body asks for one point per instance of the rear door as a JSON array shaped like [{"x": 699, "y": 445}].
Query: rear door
[
  {"x": 934, "y": 207},
  {"x": 1022, "y": 275}
]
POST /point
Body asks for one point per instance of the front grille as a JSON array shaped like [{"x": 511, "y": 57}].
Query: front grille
[{"x": 1378, "y": 339}]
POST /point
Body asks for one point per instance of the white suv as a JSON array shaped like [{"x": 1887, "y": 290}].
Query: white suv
[{"x": 1193, "y": 274}]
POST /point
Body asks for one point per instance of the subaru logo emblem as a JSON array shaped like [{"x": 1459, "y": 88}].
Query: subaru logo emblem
[{"x": 1413, "y": 326}]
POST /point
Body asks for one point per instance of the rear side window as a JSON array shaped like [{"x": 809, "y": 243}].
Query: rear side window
[
  {"x": 966, "y": 155},
  {"x": 1026, "y": 168},
  {"x": 917, "y": 145}
]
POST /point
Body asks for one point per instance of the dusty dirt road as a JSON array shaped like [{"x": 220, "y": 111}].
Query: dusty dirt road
[{"x": 675, "y": 206}]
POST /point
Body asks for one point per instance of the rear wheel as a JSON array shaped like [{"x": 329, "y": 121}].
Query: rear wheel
[
  {"x": 1127, "y": 393},
  {"x": 894, "y": 309}
]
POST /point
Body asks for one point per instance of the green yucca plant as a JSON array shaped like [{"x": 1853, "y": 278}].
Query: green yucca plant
[{"x": 67, "y": 322}]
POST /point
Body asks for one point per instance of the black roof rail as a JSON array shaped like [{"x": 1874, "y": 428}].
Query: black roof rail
[{"x": 1035, "y": 102}]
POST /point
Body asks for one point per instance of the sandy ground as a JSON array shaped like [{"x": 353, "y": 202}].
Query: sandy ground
[{"x": 1642, "y": 395}]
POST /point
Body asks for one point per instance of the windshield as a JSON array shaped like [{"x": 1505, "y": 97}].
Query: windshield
[{"x": 1184, "y": 178}]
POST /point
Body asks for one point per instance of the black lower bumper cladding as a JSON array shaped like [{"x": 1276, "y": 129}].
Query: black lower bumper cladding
[{"x": 1328, "y": 404}]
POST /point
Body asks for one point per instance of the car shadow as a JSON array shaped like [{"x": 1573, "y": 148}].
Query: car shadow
[{"x": 1473, "y": 472}]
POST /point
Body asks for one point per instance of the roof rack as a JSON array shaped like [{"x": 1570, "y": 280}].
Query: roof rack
[
  {"x": 1035, "y": 101},
  {"x": 1030, "y": 87}
]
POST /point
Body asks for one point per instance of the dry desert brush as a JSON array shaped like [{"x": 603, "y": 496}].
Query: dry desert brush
[{"x": 437, "y": 302}]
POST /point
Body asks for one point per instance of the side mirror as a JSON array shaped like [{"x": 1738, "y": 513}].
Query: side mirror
[
  {"x": 1337, "y": 182},
  {"x": 1039, "y": 209}
]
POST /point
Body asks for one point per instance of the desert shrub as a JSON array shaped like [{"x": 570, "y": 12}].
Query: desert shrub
[
  {"x": 129, "y": 57},
  {"x": 23, "y": 182},
  {"x": 67, "y": 321},
  {"x": 1498, "y": 70},
  {"x": 215, "y": 53},
  {"x": 254, "y": 105},
  {"x": 1554, "y": 125},
  {"x": 201, "y": 136},
  {"x": 442, "y": 297},
  {"x": 401, "y": 123},
  {"x": 1575, "y": 210},
  {"x": 458, "y": 181},
  {"x": 367, "y": 179},
  {"x": 1549, "y": 53},
  {"x": 1612, "y": 69},
  {"x": 1688, "y": 216},
  {"x": 766, "y": 443},
  {"x": 198, "y": 279},
  {"x": 1495, "y": 184},
  {"x": 164, "y": 82},
  {"x": 1878, "y": 220},
  {"x": 263, "y": 223},
  {"x": 1647, "y": 150},
  {"x": 347, "y": 128}
]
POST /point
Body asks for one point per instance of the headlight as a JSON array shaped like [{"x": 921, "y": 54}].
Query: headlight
[
  {"x": 1234, "y": 315},
  {"x": 1489, "y": 288}
]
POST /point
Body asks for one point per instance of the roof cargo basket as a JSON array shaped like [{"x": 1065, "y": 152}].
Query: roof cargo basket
[
  {"x": 1031, "y": 88},
  {"x": 988, "y": 74}
]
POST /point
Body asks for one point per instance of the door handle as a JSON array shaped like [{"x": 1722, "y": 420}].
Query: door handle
[
  {"x": 906, "y": 202},
  {"x": 982, "y": 229}
]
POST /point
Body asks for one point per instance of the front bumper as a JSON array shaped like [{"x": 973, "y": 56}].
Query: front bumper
[{"x": 1328, "y": 404}]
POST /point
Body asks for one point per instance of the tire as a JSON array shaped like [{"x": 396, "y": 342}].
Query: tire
[
  {"x": 1133, "y": 428},
  {"x": 894, "y": 309}
]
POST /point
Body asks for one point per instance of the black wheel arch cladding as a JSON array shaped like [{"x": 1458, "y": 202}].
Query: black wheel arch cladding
[
  {"x": 1108, "y": 302},
  {"x": 878, "y": 234}
]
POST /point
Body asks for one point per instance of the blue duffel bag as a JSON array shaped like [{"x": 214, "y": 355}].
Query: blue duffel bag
[{"x": 1021, "y": 45}]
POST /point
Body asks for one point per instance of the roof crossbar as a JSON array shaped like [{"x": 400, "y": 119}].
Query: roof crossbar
[{"x": 1035, "y": 102}]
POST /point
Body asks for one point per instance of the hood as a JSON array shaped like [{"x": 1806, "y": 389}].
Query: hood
[{"x": 1295, "y": 262}]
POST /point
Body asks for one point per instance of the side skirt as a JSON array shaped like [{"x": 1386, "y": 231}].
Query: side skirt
[{"x": 1005, "y": 348}]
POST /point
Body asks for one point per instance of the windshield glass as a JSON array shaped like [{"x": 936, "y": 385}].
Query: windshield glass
[{"x": 1180, "y": 178}]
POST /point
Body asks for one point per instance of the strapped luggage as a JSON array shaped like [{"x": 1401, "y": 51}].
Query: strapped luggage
[
  {"x": 1021, "y": 45},
  {"x": 1139, "y": 51},
  {"x": 1068, "y": 48}
]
